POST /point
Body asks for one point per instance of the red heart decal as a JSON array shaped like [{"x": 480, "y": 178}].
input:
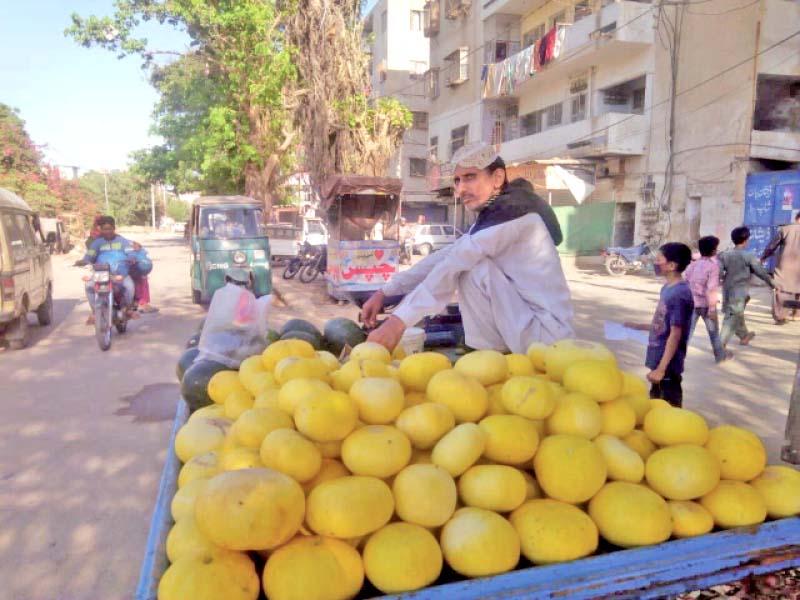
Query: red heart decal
[
  {"x": 379, "y": 254},
  {"x": 369, "y": 277},
  {"x": 386, "y": 276}
]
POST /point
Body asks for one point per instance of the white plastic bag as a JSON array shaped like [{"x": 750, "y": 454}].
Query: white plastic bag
[{"x": 235, "y": 327}]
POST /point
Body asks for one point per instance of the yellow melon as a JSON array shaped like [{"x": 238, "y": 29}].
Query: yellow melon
[
  {"x": 532, "y": 489},
  {"x": 229, "y": 575},
  {"x": 623, "y": 462},
  {"x": 281, "y": 349},
  {"x": 529, "y": 397},
  {"x": 478, "y": 543},
  {"x": 633, "y": 385},
  {"x": 460, "y": 448},
  {"x": 619, "y": 418},
  {"x": 253, "y": 425},
  {"x": 659, "y": 403},
  {"x": 689, "y": 519},
  {"x": 287, "y": 451},
  {"x": 564, "y": 353},
  {"x": 237, "y": 403},
  {"x": 239, "y": 458},
  {"x": 326, "y": 417},
  {"x": 330, "y": 449},
  {"x": 487, "y": 366},
  {"x": 462, "y": 394},
  {"x": 495, "y": 397},
  {"x": 268, "y": 398},
  {"x": 299, "y": 389},
  {"x": 182, "y": 504},
  {"x": 329, "y": 359},
  {"x": 421, "y": 457},
  {"x": 598, "y": 379},
  {"x": 510, "y": 439},
  {"x": 682, "y": 472},
  {"x": 668, "y": 426},
  {"x": 569, "y": 468},
  {"x": 250, "y": 509},
  {"x": 222, "y": 384},
  {"x": 425, "y": 495},
  {"x": 536, "y": 354},
  {"x": 402, "y": 557},
  {"x": 735, "y": 504},
  {"x": 379, "y": 400},
  {"x": 348, "y": 507},
  {"x": 494, "y": 487},
  {"x": 250, "y": 366},
  {"x": 371, "y": 351},
  {"x": 779, "y": 486},
  {"x": 414, "y": 398},
  {"x": 200, "y": 466},
  {"x": 519, "y": 364},
  {"x": 296, "y": 367},
  {"x": 638, "y": 440},
  {"x": 630, "y": 514},
  {"x": 185, "y": 540},
  {"x": 353, "y": 370},
  {"x": 640, "y": 403},
  {"x": 329, "y": 469},
  {"x": 575, "y": 414},
  {"x": 741, "y": 454},
  {"x": 313, "y": 568},
  {"x": 416, "y": 370},
  {"x": 199, "y": 436},
  {"x": 216, "y": 411},
  {"x": 261, "y": 382},
  {"x": 376, "y": 450},
  {"x": 425, "y": 423},
  {"x": 551, "y": 531}
]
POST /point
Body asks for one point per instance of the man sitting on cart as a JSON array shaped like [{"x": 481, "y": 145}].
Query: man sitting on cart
[{"x": 511, "y": 287}]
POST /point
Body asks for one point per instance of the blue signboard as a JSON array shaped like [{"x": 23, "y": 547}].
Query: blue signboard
[{"x": 771, "y": 199}]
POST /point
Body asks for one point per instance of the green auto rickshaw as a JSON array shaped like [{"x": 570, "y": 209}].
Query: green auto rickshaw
[{"x": 227, "y": 231}]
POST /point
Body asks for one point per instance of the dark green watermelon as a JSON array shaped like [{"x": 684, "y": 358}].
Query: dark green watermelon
[
  {"x": 193, "y": 341},
  {"x": 273, "y": 336},
  {"x": 194, "y": 385},
  {"x": 300, "y": 325},
  {"x": 341, "y": 332},
  {"x": 185, "y": 361},
  {"x": 314, "y": 340}
]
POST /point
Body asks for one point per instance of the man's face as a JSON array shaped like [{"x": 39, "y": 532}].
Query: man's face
[
  {"x": 107, "y": 231},
  {"x": 475, "y": 186}
]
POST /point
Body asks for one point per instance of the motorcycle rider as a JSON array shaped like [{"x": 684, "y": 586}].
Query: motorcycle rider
[{"x": 117, "y": 252}]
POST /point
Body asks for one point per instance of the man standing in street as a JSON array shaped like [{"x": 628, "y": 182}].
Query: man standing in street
[{"x": 786, "y": 246}]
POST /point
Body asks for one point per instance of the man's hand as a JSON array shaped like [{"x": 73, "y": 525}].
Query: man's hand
[
  {"x": 371, "y": 309},
  {"x": 656, "y": 375},
  {"x": 712, "y": 313},
  {"x": 389, "y": 333},
  {"x": 637, "y": 326}
]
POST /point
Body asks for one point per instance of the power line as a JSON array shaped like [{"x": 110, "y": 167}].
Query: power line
[{"x": 724, "y": 12}]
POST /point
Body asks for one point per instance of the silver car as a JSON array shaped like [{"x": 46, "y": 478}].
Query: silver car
[{"x": 434, "y": 236}]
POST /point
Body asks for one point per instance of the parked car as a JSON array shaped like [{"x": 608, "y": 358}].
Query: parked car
[
  {"x": 26, "y": 276},
  {"x": 56, "y": 235},
  {"x": 434, "y": 236},
  {"x": 178, "y": 227}
]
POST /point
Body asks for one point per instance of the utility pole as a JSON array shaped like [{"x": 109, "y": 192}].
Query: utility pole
[
  {"x": 153, "y": 206},
  {"x": 105, "y": 189}
]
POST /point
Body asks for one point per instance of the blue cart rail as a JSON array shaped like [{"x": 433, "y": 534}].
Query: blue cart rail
[{"x": 652, "y": 572}]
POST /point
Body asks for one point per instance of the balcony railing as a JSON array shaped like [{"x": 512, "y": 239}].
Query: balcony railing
[{"x": 432, "y": 16}]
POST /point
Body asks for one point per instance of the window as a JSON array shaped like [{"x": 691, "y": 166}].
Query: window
[
  {"x": 458, "y": 138},
  {"x": 435, "y": 230},
  {"x": 578, "y": 112},
  {"x": 384, "y": 21},
  {"x": 417, "y": 167},
  {"x": 382, "y": 76},
  {"x": 417, "y": 69},
  {"x": 638, "y": 101},
  {"x": 554, "y": 114},
  {"x": 458, "y": 66},
  {"x": 448, "y": 229},
  {"x": 532, "y": 122},
  {"x": 420, "y": 119},
  {"x": 558, "y": 19},
  {"x": 431, "y": 18},
  {"x": 583, "y": 8},
  {"x": 433, "y": 83},
  {"x": 417, "y": 20},
  {"x": 433, "y": 150},
  {"x": 26, "y": 228},
  {"x": 537, "y": 33}
]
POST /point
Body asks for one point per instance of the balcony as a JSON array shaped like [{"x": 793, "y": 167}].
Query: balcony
[
  {"x": 775, "y": 145},
  {"x": 432, "y": 15},
  {"x": 511, "y": 7},
  {"x": 604, "y": 37},
  {"x": 610, "y": 134}
]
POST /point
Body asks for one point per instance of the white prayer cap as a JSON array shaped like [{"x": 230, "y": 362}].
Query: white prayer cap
[{"x": 477, "y": 155}]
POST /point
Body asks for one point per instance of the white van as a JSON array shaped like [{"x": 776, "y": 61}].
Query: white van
[{"x": 285, "y": 240}]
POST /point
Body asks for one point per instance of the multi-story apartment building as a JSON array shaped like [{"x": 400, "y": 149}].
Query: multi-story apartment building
[
  {"x": 393, "y": 32},
  {"x": 580, "y": 98}
]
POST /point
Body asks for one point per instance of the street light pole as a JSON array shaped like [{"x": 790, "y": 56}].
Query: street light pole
[{"x": 153, "y": 206}]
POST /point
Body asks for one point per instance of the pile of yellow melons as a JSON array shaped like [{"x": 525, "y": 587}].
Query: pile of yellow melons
[{"x": 328, "y": 473}]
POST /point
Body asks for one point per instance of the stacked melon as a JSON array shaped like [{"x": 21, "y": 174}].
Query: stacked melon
[{"x": 386, "y": 470}]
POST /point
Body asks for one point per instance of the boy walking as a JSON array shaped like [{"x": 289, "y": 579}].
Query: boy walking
[
  {"x": 669, "y": 331},
  {"x": 703, "y": 279},
  {"x": 735, "y": 268}
]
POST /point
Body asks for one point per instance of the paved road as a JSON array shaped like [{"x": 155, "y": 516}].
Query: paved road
[{"x": 83, "y": 433}]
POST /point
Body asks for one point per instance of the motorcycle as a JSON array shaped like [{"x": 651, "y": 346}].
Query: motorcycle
[
  {"x": 304, "y": 256},
  {"x": 619, "y": 260},
  {"x": 406, "y": 251},
  {"x": 317, "y": 264},
  {"x": 109, "y": 304}
]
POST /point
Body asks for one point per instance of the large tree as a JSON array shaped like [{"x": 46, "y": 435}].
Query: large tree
[{"x": 245, "y": 135}]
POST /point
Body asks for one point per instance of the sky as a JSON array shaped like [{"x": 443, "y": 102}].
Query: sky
[{"x": 88, "y": 108}]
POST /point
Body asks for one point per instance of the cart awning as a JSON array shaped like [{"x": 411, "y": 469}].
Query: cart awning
[{"x": 339, "y": 185}]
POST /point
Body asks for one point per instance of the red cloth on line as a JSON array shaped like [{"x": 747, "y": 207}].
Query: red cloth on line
[
  {"x": 537, "y": 57},
  {"x": 142, "y": 290},
  {"x": 549, "y": 42}
]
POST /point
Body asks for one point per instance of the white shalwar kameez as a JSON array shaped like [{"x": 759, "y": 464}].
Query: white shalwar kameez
[{"x": 511, "y": 287}]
